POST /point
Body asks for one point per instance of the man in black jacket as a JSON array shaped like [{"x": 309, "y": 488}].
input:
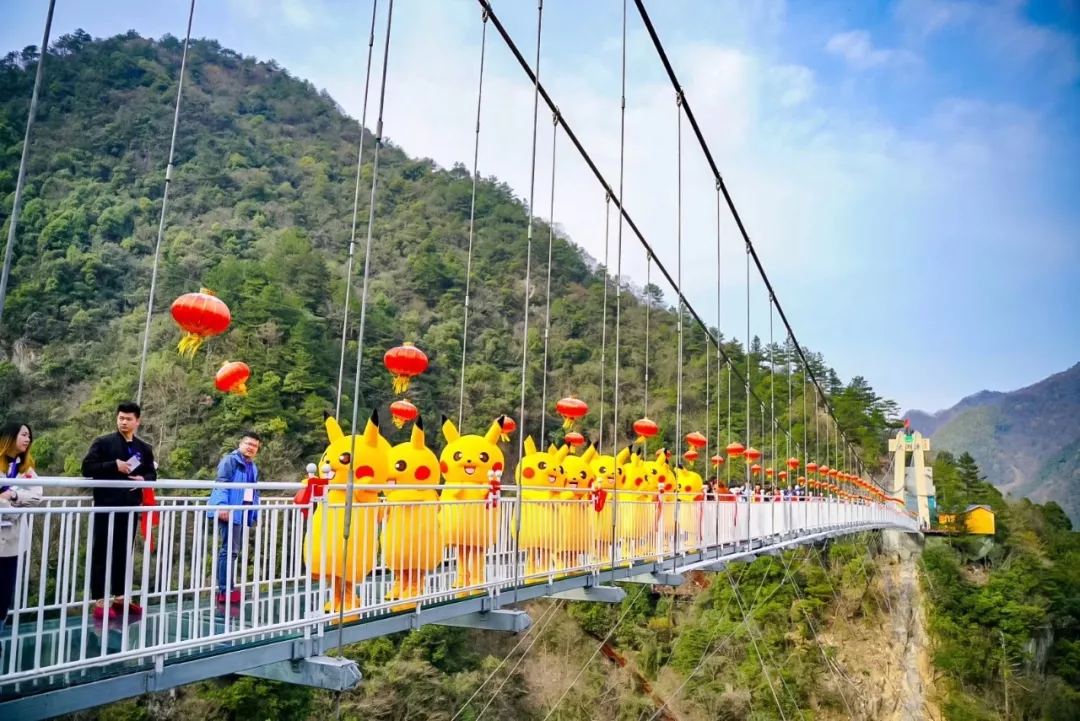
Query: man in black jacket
[{"x": 117, "y": 457}]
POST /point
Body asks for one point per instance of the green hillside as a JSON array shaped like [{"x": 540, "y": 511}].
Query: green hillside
[
  {"x": 260, "y": 212},
  {"x": 1027, "y": 441}
]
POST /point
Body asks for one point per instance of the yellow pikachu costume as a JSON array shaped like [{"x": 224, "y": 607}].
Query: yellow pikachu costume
[
  {"x": 325, "y": 545},
  {"x": 608, "y": 471},
  {"x": 541, "y": 476},
  {"x": 691, "y": 489},
  {"x": 657, "y": 477},
  {"x": 470, "y": 519},
  {"x": 412, "y": 541},
  {"x": 636, "y": 515},
  {"x": 577, "y": 519}
]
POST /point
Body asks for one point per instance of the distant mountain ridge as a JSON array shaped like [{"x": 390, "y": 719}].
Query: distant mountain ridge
[{"x": 1026, "y": 441}]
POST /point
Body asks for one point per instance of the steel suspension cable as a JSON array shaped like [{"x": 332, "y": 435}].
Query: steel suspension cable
[
  {"x": 472, "y": 214},
  {"x": 164, "y": 202},
  {"x": 772, "y": 385},
  {"x": 25, "y": 157},
  {"x": 363, "y": 310},
  {"x": 678, "y": 270},
  {"x": 719, "y": 353},
  {"x": 662, "y": 53},
  {"x": 648, "y": 313},
  {"x": 528, "y": 267},
  {"x": 749, "y": 371},
  {"x": 356, "y": 213},
  {"x": 547, "y": 296},
  {"x": 603, "y": 316},
  {"x": 624, "y": 216}
]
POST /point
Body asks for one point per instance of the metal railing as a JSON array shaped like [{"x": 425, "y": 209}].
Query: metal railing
[{"x": 294, "y": 573}]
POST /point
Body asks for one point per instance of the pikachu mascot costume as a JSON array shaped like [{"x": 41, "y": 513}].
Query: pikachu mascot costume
[
  {"x": 412, "y": 540},
  {"x": 541, "y": 476},
  {"x": 635, "y": 516},
  {"x": 608, "y": 471},
  {"x": 691, "y": 489},
  {"x": 577, "y": 519},
  {"x": 657, "y": 477},
  {"x": 470, "y": 519},
  {"x": 325, "y": 546}
]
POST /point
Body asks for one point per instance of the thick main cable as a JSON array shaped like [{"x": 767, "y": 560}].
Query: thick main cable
[
  {"x": 356, "y": 213},
  {"x": 164, "y": 201},
  {"x": 719, "y": 179}
]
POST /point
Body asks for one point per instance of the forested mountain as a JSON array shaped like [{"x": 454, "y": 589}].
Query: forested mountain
[
  {"x": 1027, "y": 441},
  {"x": 260, "y": 211}
]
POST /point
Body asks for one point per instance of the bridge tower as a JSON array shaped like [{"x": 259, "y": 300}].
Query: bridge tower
[{"x": 915, "y": 483}]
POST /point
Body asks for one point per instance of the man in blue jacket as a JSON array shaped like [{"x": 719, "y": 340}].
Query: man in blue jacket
[{"x": 238, "y": 469}]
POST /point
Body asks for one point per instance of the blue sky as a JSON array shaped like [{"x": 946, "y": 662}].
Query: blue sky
[{"x": 909, "y": 171}]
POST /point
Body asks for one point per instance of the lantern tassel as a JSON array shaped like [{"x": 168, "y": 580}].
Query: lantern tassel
[
  {"x": 189, "y": 345},
  {"x": 401, "y": 384},
  {"x": 504, "y": 437},
  {"x": 398, "y": 422},
  {"x": 241, "y": 388},
  {"x": 567, "y": 423}
]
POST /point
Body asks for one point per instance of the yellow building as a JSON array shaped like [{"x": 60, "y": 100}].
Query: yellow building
[{"x": 978, "y": 520}]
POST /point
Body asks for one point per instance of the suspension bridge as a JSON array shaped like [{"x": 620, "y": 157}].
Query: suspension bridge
[{"x": 367, "y": 545}]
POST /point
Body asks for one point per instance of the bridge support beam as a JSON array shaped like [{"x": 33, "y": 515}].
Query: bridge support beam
[
  {"x": 325, "y": 672},
  {"x": 599, "y": 594},
  {"x": 658, "y": 578},
  {"x": 496, "y": 620}
]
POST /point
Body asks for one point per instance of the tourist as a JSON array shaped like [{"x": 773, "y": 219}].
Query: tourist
[
  {"x": 16, "y": 461},
  {"x": 238, "y": 469}
]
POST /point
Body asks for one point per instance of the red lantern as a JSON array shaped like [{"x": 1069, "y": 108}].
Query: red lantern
[
  {"x": 402, "y": 411},
  {"x": 691, "y": 456},
  {"x": 755, "y": 469},
  {"x": 793, "y": 463},
  {"x": 734, "y": 450},
  {"x": 833, "y": 472},
  {"x": 696, "y": 440},
  {"x": 508, "y": 427},
  {"x": 801, "y": 481},
  {"x": 645, "y": 428},
  {"x": 717, "y": 461},
  {"x": 783, "y": 475},
  {"x": 201, "y": 315},
  {"x": 752, "y": 454},
  {"x": 768, "y": 473},
  {"x": 823, "y": 471},
  {"x": 232, "y": 378},
  {"x": 404, "y": 362},
  {"x": 574, "y": 440},
  {"x": 571, "y": 409},
  {"x": 811, "y": 467}
]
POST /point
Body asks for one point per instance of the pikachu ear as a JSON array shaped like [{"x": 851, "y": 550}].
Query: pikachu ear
[
  {"x": 622, "y": 457},
  {"x": 417, "y": 437},
  {"x": 449, "y": 430},
  {"x": 590, "y": 454},
  {"x": 552, "y": 449},
  {"x": 333, "y": 430},
  {"x": 493, "y": 433},
  {"x": 530, "y": 446},
  {"x": 371, "y": 430},
  {"x": 562, "y": 453}
]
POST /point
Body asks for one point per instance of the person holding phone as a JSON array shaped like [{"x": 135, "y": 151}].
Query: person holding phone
[
  {"x": 118, "y": 457},
  {"x": 17, "y": 490},
  {"x": 238, "y": 469}
]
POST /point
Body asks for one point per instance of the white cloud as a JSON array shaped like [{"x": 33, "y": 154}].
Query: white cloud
[
  {"x": 276, "y": 15},
  {"x": 855, "y": 47}
]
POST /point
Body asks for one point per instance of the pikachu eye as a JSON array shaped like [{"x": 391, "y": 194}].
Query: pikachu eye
[
  {"x": 344, "y": 459},
  {"x": 484, "y": 457},
  {"x": 457, "y": 455},
  {"x": 400, "y": 466},
  {"x": 583, "y": 475},
  {"x": 542, "y": 465},
  {"x": 603, "y": 469}
]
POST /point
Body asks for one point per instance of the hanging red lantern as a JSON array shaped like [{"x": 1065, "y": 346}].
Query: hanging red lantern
[
  {"x": 574, "y": 439},
  {"x": 201, "y": 315},
  {"x": 801, "y": 481},
  {"x": 717, "y": 461},
  {"x": 833, "y": 472},
  {"x": 768, "y": 473},
  {"x": 402, "y": 411},
  {"x": 792, "y": 463},
  {"x": 571, "y": 409},
  {"x": 783, "y": 475},
  {"x": 823, "y": 471},
  {"x": 508, "y": 427},
  {"x": 691, "y": 456},
  {"x": 811, "y": 467},
  {"x": 645, "y": 428},
  {"x": 752, "y": 454},
  {"x": 696, "y": 440},
  {"x": 755, "y": 469},
  {"x": 232, "y": 378},
  {"x": 734, "y": 450},
  {"x": 404, "y": 362}
]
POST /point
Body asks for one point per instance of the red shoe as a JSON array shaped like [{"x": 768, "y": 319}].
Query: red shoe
[
  {"x": 117, "y": 609},
  {"x": 99, "y": 611},
  {"x": 221, "y": 597},
  {"x": 235, "y": 596}
]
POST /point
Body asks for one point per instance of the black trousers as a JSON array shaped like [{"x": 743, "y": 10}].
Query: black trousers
[
  {"x": 9, "y": 565},
  {"x": 121, "y": 553}
]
